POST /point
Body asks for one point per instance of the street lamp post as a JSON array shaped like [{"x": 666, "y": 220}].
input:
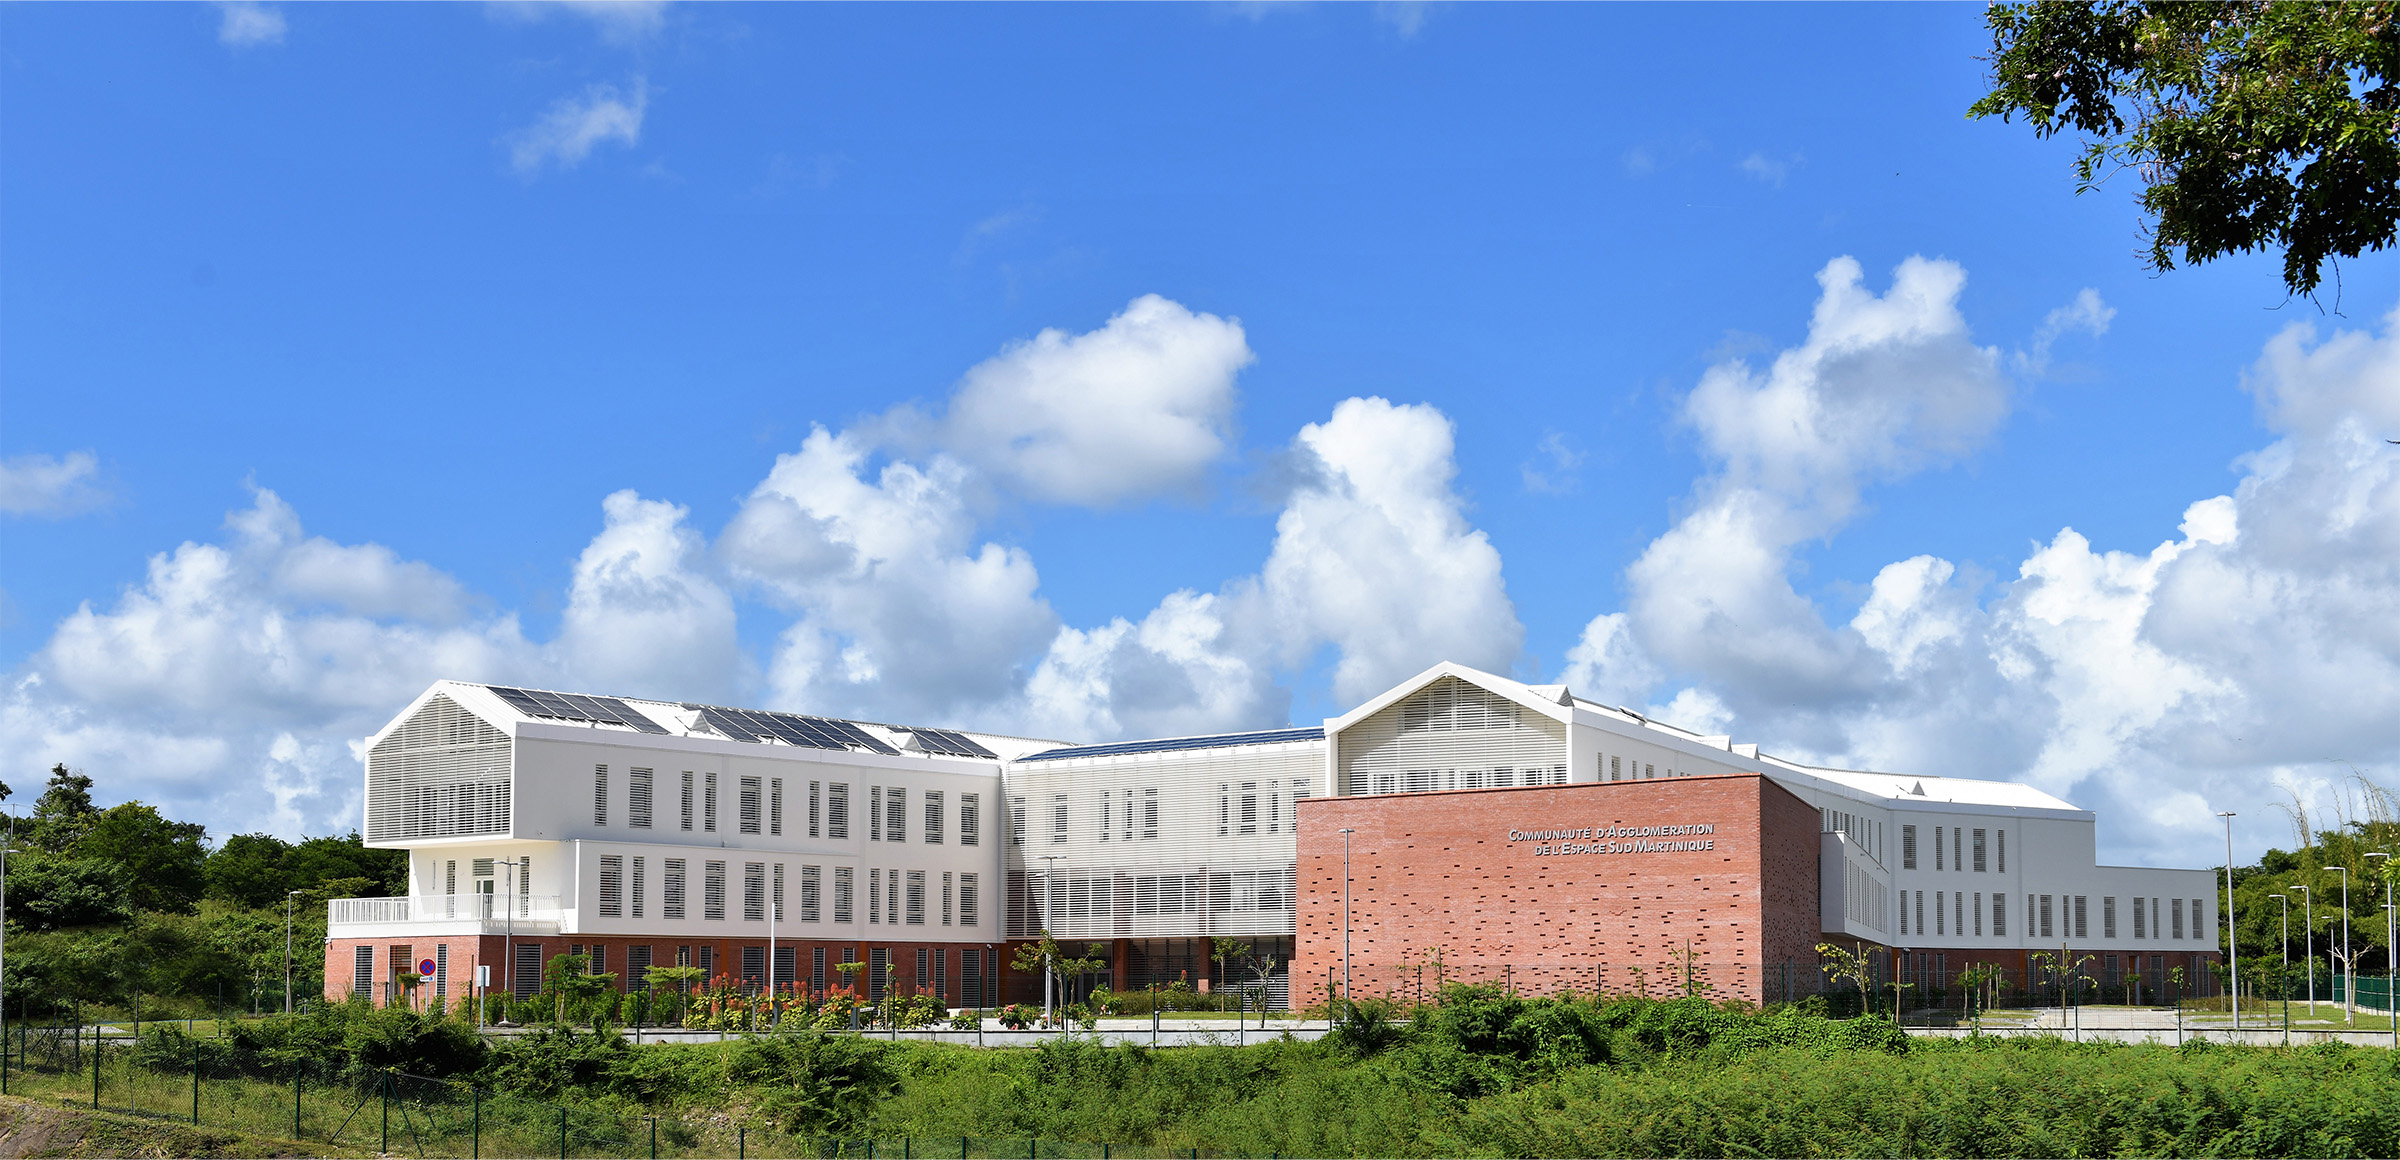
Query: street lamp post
[
  {"x": 2284, "y": 980},
  {"x": 2233, "y": 960},
  {"x": 2391, "y": 947},
  {"x": 508, "y": 934},
  {"x": 288, "y": 895},
  {"x": 2349, "y": 965},
  {"x": 1048, "y": 875},
  {"x": 2308, "y": 941},
  {"x": 1346, "y": 911}
]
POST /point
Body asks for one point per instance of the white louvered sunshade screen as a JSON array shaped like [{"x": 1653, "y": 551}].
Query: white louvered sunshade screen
[
  {"x": 442, "y": 773},
  {"x": 1453, "y": 735}
]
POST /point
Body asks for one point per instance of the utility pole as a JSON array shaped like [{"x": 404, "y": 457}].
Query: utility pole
[{"x": 2233, "y": 961}]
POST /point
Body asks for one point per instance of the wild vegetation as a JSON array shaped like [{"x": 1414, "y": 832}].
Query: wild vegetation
[{"x": 1482, "y": 1073}]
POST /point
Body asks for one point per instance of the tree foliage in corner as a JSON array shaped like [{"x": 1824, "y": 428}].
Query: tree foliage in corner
[{"x": 2252, "y": 125}]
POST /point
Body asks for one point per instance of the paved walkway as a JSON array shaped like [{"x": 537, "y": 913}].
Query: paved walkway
[{"x": 2149, "y": 1025}]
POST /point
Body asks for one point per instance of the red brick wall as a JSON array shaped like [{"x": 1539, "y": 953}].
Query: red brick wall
[{"x": 1440, "y": 871}]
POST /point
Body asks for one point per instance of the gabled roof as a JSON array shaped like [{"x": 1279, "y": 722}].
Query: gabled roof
[
  {"x": 1177, "y": 744},
  {"x": 1550, "y": 700}
]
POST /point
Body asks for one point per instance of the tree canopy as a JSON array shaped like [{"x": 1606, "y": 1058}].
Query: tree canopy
[{"x": 2253, "y": 126}]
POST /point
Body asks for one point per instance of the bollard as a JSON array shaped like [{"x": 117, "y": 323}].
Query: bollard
[
  {"x": 653, "y": 1137},
  {"x": 562, "y": 1134},
  {"x": 741, "y": 1138},
  {"x": 476, "y": 1094}
]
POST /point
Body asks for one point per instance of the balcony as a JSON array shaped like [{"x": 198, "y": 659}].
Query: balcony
[{"x": 445, "y": 914}]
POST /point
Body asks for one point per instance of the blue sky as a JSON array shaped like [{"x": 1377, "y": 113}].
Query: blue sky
[{"x": 431, "y": 281}]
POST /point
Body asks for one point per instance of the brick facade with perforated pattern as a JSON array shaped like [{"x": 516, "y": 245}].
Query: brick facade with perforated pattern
[{"x": 1612, "y": 885}]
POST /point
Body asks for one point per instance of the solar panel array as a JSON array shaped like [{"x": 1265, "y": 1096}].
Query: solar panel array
[
  {"x": 1171, "y": 744},
  {"x": 790, "y": 728},
  {"x": 574, "y": 707},
  {"x": 949, "y": 743}
]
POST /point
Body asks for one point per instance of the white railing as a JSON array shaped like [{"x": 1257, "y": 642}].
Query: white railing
[{"x": 492, "y": 911}]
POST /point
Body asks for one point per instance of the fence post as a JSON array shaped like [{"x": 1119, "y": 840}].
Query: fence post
[
  {"x": 95, "y": 1067},
  {"x": 653, "y": 1136},
  {"x": 387, "y": 1111},
  {"x": 195, "y": 1082},
  {"x": 476, "y": 1096},
  {"x": 562, "y": 1134},
  {"x": 297, "y": 1071},
  {"x": 741, "y": 1142}
]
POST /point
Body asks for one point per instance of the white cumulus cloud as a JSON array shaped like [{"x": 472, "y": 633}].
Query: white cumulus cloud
[
  {"x": 1140, "y": 407},
  {"x": 242, "y": 24},
  {"x": 50, "y": 485},
  {"x": 572, "y": 127}
]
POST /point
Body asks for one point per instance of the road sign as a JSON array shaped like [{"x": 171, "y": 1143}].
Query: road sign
[
  {"x": 483, "y": 976},
  {"x": 425, "y": 966}
]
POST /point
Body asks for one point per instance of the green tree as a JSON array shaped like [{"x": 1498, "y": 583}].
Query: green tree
[
  {"x": 2252, "y": 126},
  {"x": 49, "y": 893},
  {"x": 249, "y": 870},
  {"x": 166, "y": 859},
  {"x": 317, "y": 862},
  {"x": 64, "y": 811}
]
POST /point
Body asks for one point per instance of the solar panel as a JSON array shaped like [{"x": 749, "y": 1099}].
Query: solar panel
[
  {"x": 949, "y": 743},
  {"x": 629, "y": 715},
  {"x": 1171, "y": 744},
  {"x": 724, "y": 722},
  {"x": 853, "y": 735},
  {"x": 518, "y": 700}
]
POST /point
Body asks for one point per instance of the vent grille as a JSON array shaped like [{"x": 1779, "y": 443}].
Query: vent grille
[
  {"x": 1452, "y": 735},
  {"x": 443, "y": 773}
]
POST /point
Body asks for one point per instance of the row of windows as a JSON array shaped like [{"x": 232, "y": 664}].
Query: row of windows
[
  {"x": 1443, "y": 780},
  {"x": 2046, "y": 916},
  {"x": 1864, "y": 831},
  {"x": 759, "y": 807},
  {"x": 1953, "y": 854},
  {"x": 890, "y": 893}
]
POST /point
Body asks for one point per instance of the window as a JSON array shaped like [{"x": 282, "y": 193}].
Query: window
[
  {"x": 815, "y": 816},
  {"x": 811, "y": 885},
  {"x": 895, "y": 814},
  {"x": 1979, "y": 914},
  {"x": 875, "y": 813},
  {"x": 2139, "y": 927},
  {"x": 687, "y": 799},
  {"x": 1999, "y": 916},
  {"x": 970, "y": 819},
  {"x": 934, "y": 822},
  {"x": 875, "y": 896},
  {"x": 891, "y": 897},
  {"x": 1249, "y": 808},
  {"x": 967, "y": 913},
  {"x": 672, "y": 905},
  {"x": 775, "y": 806},
  {"x": 1016, "y": 821},
  {"x": 749, "y": 805},
  {"x": 599, "y": 795},
  {"x": 612, "y": 886},
  {"x": 1149, "y": 813},
  {"x": 450, "y": 877},
  {"x": 784, "y": 966},
  {"x": 1939, "y": 926},
  {"x": 2029, "y": 904},
  {"x": 640, "y": 881},
  {"x": 949, "y": 892},
  {"x": 637, "y": 967},
  {"x": 637, "y": 799},
  {"x": 708, "y": 804},
  {"x": 1225, "y": 809},
  {"x": 775, "y": 897},
  {"x": 924, "y": 976},
  {"x": 1937, "y": 848},
  {"x": 916, "y": 898},
  {"x": 2196, "y": 916},
  {"x": 2046, "y": 929},
  {"x": 362, "y": 971},
  {"x": 1921, "y": 912},
  {"x": 1649, "y": 771},
  {"x": 1107, "y": 814},
  {"x": 2001, "y": 838},
  {"x": 1979, "y": 860},
  {"x": 1615, "y": 773},
  {"x": 1908, "y": 847},
  {"x": 816, "y": 969},
  {"x": 441, "y": 968},
  {"x": 2108, "y": 916},
  {"x": 1958, "y": 912},
  {"x": 1125, "y": 828},
  {"x": 842, "y": 892},
  {"x": 754, "y": 965},
  {"x": 712, "y": 891},
  {"x": 837, "y": 810},
  {"x": 1904, "y": 912},
  {"x": 754, "y": 892},
  {"x": 1058, "y": 818}
]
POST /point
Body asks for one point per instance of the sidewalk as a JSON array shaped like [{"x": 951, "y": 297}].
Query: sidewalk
[{"x": 2149, "y": 1025}]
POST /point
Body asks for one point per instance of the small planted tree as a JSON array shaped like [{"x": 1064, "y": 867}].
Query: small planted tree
[{"x": 679, "y": 981}]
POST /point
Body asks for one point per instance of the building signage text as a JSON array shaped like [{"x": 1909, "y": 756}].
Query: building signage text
[{"x": 1673, "y": 839}]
